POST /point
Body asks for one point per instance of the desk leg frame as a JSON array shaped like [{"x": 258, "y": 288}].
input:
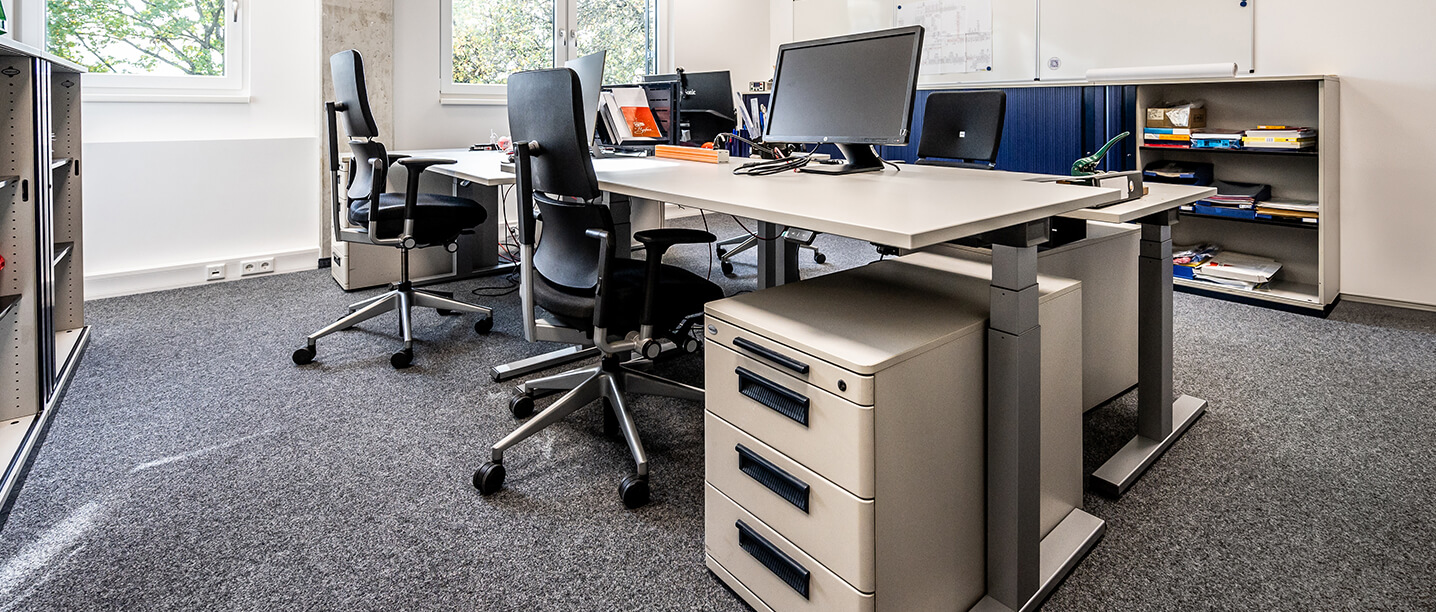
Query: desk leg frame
[
  {"x": 777, "y": 258},
  {"x": 1160, "y": 421},
  {"x": 1022, "y": 566}
]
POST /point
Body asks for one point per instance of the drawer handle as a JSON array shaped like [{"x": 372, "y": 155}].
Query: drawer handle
[
  {"x": 773, "y": 395},
  {"x": 773, "y": 477},
  {"x": 775, "y": 357},
  {"x": 782, "y": 566}
]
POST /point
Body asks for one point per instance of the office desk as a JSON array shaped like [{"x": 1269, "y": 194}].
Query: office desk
[{"x": 917, "y": 207}]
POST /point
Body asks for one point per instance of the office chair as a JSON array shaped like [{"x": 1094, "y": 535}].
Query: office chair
[
  {"x": 962, "y": 129},
  {"x": 405, "y": 221},
  {"x": 572, "y": 272}
]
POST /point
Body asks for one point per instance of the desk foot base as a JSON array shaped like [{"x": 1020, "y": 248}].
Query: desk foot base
[
  {"x": 542, "y": 362},
  {"x": 1062, "y": 549},
  {"x": 1124, "y": 468}
]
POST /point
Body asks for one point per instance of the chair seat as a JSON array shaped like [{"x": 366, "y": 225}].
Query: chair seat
[
  {"x": 680, "y": 294},
  {"x": 438, "y": 219}
]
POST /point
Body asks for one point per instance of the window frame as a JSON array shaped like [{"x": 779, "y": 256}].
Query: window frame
[
  {"x": 564, "y": 30},
  {"x": 233, "y": 87}
]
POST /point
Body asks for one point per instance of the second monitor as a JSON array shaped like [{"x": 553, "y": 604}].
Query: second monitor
[{"x": 852, "y": 91}]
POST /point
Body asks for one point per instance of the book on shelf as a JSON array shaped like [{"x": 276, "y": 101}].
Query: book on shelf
[
  {"x": 1217, "y": 133},
  {"x": 1167, "y": 144},
  {"x": 1282, "y": 131},
  {"x": 1257, "y": 142},
  {"x": 1292, "y": 205},
  {"x": 1285, "y": 214},
  {"x": 1166, "y": 137},
  {"x": 1171, "y": 130}
]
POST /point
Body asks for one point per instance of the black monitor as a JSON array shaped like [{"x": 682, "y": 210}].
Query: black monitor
[
  {"x": 852, "y": 91},
  {"x": 706, "y": 104}
]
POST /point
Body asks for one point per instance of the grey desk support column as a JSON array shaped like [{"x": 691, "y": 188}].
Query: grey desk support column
[
  {"x": 1160, "y": 421},
  {"x": 777, "y": 258},
  {"x": 1022, "y": 566},
  {"x": 478, "y": 253}
]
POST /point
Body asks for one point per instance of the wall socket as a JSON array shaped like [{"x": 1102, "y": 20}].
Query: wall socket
[
  {"x": 214, "y": 272},
  {"x": 250, "y": 267}
]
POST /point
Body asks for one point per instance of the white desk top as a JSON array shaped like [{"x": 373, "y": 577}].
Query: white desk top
[{"x": 893, "y": 208}]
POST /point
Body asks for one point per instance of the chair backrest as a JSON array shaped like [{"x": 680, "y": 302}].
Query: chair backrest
[
  {"x": 351, "y": 97},
  {"x": 962, "y": 125},
  {"x": 546, "y": 107}
]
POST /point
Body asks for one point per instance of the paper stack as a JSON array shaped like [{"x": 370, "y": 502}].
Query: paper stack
[
  {"x": 1238, "y": 270},
  {"x": 1280, "y": 137},
  {"x": 1295, "y": 210}
]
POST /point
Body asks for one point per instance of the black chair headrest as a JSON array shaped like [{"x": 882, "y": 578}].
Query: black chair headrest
[{"x": 351, "y": 93}]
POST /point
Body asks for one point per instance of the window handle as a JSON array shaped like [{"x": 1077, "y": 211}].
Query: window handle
[{"x": 234, "y": 15}]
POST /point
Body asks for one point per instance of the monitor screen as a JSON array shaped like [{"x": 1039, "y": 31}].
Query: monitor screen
[
  {"x": 590, "y": 78},
  {"x": 855, "y": 89}
]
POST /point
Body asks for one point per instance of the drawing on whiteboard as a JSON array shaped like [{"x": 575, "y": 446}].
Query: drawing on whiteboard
[{"x": 958, "y": 33}]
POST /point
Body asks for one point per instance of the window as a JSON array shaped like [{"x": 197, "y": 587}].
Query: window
[
  {"x": 486, "y": 40},
  {"x": 144, "y": 45}
]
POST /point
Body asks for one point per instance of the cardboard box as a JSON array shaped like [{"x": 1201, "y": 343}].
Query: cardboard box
[{"x": 1177, "y": 117}]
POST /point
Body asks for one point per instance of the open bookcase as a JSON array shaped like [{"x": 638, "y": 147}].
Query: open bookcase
[{"x": 42, "y": 301}]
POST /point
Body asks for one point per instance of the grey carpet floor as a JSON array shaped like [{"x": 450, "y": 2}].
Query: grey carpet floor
[{"x": 193, "y": 467}]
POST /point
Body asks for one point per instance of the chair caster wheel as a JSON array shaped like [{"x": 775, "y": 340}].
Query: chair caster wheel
[
  {"x": 819, "y": 258},
  {"x": 402, "y": 359},
  {"x": 303, "y": 356},
  {"x": 522, "y": 406},
  {"x": 727, "y": 268},
  {"x": 634, "y": 491},
  {"x": 484, "y": 325},
  {"x": 722, "y": 251},
  {"x": 489, "y": 478}
]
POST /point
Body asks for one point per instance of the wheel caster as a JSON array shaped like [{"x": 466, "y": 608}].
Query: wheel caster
[
  {"x": 402, "y": 359},
  {"x": 303, "y": 356},
  {"x": 444, "y": 312},
  {"x": 819, "y": 258},
  {"x": 727, "y": 268},
  {"x": 722, "y": 251},
  {"x": 484, "y": 325},
  {"x": 634, "y": 491},
  {"x": 521, "y": 406},
  {"x": 489, "y": 478}
]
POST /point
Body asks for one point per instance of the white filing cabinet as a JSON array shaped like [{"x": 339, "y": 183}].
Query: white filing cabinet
[
  {"x": 1106, "y": 263},
  {"x": 845, "y": 429}
]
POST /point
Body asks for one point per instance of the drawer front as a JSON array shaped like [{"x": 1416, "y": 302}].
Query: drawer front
[
  {"x": 822, "y": 519},
  {"x": 825, "y": 433},
  {"x": 770, "y": 567},
  {"x": 855, "y": 388}
]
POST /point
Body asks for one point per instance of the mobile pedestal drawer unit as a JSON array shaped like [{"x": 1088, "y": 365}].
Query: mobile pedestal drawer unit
[{"x": 845, "y": 430}]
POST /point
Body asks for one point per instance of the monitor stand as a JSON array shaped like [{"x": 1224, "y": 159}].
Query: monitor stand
[{"x": 860, "y": 158}]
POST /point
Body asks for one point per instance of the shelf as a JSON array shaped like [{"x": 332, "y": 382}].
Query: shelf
[
  {"x": 7, "y": 305},
  {"x": 1283, "y": 292},
  {"x": 68, "y": 343},
  {"x": 1275, "y": 222},
  {"x": 6, "y": 181},
  {"x": 60, "y": 163},
  {"x": 62, "y": 251},
  {"x": 1279, "y": 152}
]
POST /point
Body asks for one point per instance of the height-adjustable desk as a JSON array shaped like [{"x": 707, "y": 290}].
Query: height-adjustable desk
[{"x": 923, "y": 206}]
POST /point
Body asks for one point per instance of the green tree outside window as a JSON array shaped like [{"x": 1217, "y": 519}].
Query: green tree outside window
[{"x": 175, "y": 37}]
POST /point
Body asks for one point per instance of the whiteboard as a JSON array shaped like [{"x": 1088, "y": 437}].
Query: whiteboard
[
  {"x": 1080, "y": 35},
  {"x": 1014, "y": 41}
]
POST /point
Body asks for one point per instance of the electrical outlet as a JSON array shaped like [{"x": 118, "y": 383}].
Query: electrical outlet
[
  {"x": 250, "y": 267},
  {"x": 214, "y": 272}
]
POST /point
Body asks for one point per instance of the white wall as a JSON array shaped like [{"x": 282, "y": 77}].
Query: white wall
[
  {"x": 172, "y": 186},
  {"x": 1383, "y": 52}
]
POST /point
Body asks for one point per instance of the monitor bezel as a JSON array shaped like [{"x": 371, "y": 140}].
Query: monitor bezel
[{"x": 774, "y": 99}]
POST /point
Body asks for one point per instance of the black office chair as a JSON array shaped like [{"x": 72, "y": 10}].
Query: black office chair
[
  {"x": 406, "y": 221},
  {"x": 573, "y": 273},
  {"x": 962, "y": 129}
]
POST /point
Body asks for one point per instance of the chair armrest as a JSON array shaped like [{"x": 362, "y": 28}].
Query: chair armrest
[
  {"x": 395, "y": 157},
  {"x": 656, "y": 243},
  {"x": 416, "y": 167},
  {"x": 605, "y": 264}
]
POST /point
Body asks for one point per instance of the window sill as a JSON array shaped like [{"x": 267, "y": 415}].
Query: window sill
[
  {"x": 183, "y": 98},
  {"x": 472, "y": 100}
]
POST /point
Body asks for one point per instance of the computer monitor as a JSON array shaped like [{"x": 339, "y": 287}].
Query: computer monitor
[
  {"x": 706, "y": 106},
  {"x": 590, "y": 82},
  {"x": 852, "y": 91}
]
